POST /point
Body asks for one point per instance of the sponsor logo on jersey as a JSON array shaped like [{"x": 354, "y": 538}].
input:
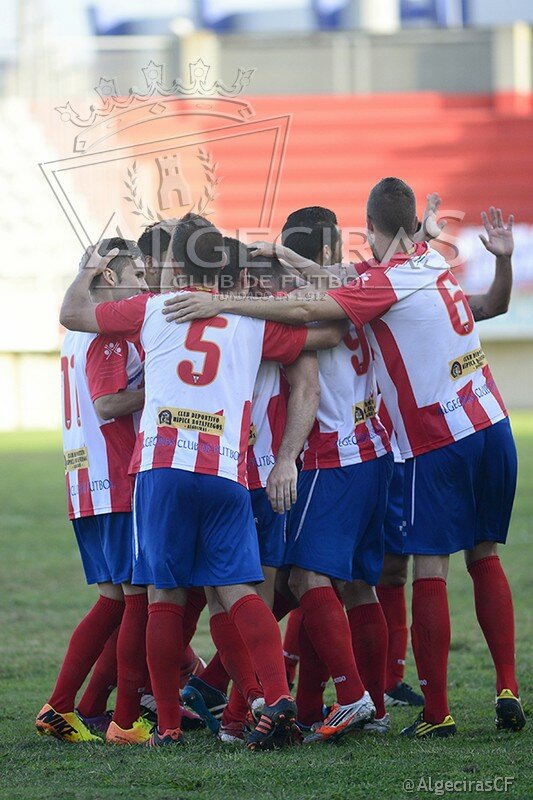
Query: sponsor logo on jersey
[
  {"x": 76, "y": 459},
  {"x": 365, "y": 409},
  {"x": 190, "y": 420},
  {"x": 467, "y": 363},
  {"x": 252, "y": 439}
]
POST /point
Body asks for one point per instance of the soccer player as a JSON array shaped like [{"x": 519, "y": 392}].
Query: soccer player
[
  {"x": 279, "y": 426},
  {"x": 102, "y": 378},
  {"x": 346, "y": 456},
  {"x": 343, "y": 457},
  {"x": 205, "y": 692},
  {"x": 283, "y": 411},
  {"x": 450, "y": 421},
  {"x": 154, "y": 243},
  {"x": 190, "y": 462},
  {"x": 394, "y": 574},
  {"x": 391, "y": 590}
]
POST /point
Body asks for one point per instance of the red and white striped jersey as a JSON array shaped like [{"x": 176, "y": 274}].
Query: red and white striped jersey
[
  {"x": 269, "y": 415},
  {"x": 430, "y": 366},
  {"x": 199, "y": 381},
  {"x": 347, "y": 429},
  {"x": 387, "y": 424},
  {"x": 97, "y": 452}
]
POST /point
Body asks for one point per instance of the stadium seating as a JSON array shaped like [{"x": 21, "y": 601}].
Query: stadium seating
[{"x": 463, "y": 146}]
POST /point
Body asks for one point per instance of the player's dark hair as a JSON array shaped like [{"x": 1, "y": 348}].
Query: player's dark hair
[
  {"x": 267, "y": 275},
  {"x": 308, "y": 230},
  {"x": 198, "y": 247},
  {"x": 391, "y": 206},
  {"x": 154, "y": 241},
  {"x": 237, "y": 253},
  {"x": 129, "y": 250}
]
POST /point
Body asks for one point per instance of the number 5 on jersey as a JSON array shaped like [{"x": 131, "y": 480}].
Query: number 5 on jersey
[{"x": 195, "y": 342}]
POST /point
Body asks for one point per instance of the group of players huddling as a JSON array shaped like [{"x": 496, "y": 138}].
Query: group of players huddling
[{"x": 306, "y": 427}]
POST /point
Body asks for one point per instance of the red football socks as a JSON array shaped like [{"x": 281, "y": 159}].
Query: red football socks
[
  {"x": 369, "y": 641},
  {"x": 131, "y": 660},
  {"x": 494, "y": 610},
  {"x": 215, "y": 674},
  {"x": 430, "y": 635},
  {"x": 291, "y": 646},
  {"x": 86, "y": 643},
  {"x": 312, "y": 678},
  {"x": 237, "y": 709},
  {"x": 261, "y": 635},
  {"x": 164, "y": 651},
  {"x": 328, "y": 629},
  {"x": 392, "y": 599},
  {"x": 102, "y": 682},
  {"x": 188, "y": 658},
  {"x": 234, "y": 655},
  {"x": 194, "y": 606}
]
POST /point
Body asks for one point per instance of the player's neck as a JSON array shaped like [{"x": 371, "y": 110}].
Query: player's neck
[
  {"x": 384, "y": 247},
  {"x": 102, "y": 295}
]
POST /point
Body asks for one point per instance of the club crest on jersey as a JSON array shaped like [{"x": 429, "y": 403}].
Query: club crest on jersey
[
  {"x": 362, "y": 279},
  {"x": 112, "y": 348}
]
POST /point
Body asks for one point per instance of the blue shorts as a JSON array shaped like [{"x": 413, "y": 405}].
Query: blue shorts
[
  {"x": 192, "y": 529},
  {"x": 461, "y": 494},
  {"x": 106, "y": 546},
  {"x": 394, "y": 528},
  {"x": 336, "y": 525},
  {"x": 270, "y": 529}
]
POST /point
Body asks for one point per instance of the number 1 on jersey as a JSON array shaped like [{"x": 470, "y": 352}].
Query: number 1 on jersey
[{"x": 67, "y": 392}]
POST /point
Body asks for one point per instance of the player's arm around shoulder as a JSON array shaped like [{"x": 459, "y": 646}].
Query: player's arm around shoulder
[
  {"x": 325, "y": 335},
  {"x": 78, "y": 311},
  {"x": 119, "y": 404},
  {"x": 292, "y": 309}
]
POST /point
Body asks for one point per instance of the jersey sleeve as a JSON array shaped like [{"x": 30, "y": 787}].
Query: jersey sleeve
[
  {"x": 106, "y": 366},
  {"x": 366, "y": 298},
  {"x": 123, "y": 317},
  {"x": 283, "y": 343}
]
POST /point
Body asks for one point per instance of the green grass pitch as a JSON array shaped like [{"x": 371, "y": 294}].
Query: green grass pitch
[{"x": 43, "y": 595}]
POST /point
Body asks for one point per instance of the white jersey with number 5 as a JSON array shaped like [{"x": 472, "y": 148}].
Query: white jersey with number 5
[
  {"x": 430, "y": 366},
  {"x": 199, "y": 381}
]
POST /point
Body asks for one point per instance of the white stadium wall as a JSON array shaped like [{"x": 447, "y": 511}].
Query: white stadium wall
[{"x": 33, "y": 400}]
